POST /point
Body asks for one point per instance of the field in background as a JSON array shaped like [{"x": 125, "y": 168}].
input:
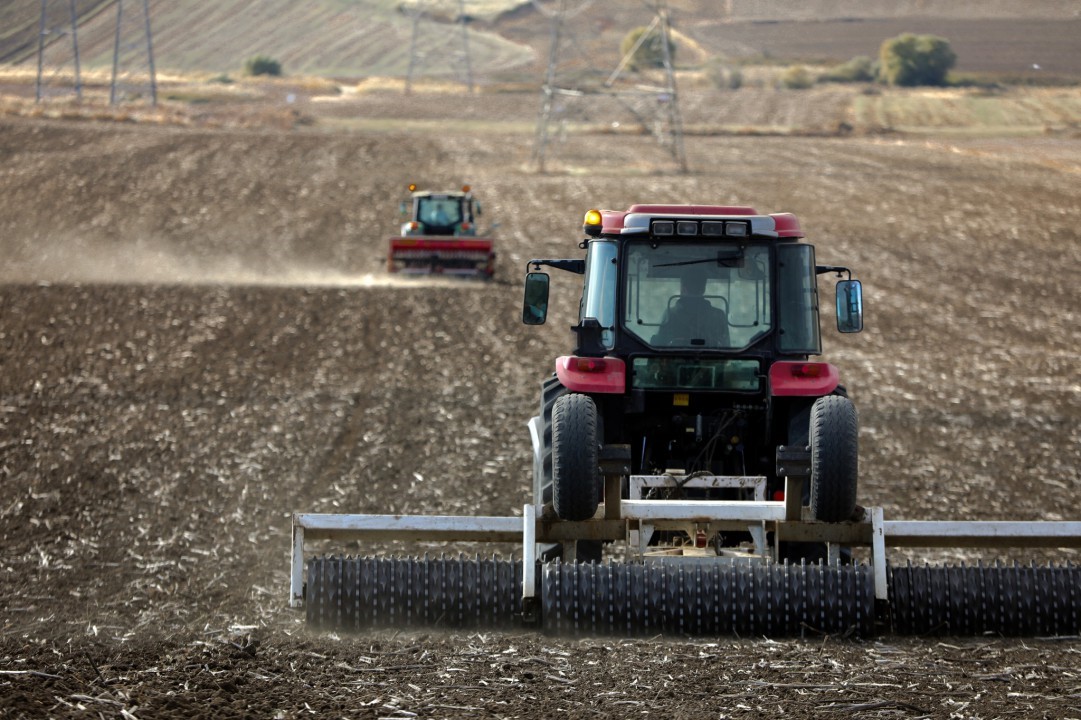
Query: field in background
[
  {"x": 1034, "y": 50},
  {"x": 317, "y": 104},
  {"x": 345, "y": 62}
]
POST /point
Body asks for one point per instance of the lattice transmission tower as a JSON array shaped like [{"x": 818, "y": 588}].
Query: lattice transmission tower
[
  {"x": 133, "y": 52},
  {"x": 58, "y": 18},
  {"x": 460, "y": 61},
  {"x": 571, "y": 78},
  {"x": 133, "y": 72}
]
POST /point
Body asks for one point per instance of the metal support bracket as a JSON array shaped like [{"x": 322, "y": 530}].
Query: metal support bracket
[{"x": 530, "y": 606}]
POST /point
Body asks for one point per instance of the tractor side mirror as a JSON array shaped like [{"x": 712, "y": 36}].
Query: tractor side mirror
[
  {"x": 849, "y": 306},
  {"x": 403, "y": 207},
  {"x": 535, "y": 304}
]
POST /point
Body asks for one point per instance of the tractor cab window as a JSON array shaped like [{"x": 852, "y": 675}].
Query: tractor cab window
[
  {"x": 797, "y": 300},
  {"x": 439, "y": 212},
  {"x": 599, "y": 298},
  {"x": 697, "y": 295}
]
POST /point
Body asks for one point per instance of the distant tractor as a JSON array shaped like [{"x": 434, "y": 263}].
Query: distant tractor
[{"x": 439, "y": 236}]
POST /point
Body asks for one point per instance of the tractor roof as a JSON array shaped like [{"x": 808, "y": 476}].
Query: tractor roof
[
  {"x": 416, "y": 191},
  {"x": 637, "y": 218},
  {"x": 440, "y": 193}
]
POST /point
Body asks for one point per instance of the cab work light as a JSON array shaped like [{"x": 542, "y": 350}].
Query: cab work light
[
  {"x": 686, "y": 227},
  {"x": 664, "y": 227},
  {"x": 736, "y": 229},
  {"x": 712, "y": 228}
]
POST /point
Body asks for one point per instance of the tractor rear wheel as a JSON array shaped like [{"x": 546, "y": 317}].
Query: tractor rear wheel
[
  {"x": 575, "y": 469},
  {"x": 834, "y": 440}
]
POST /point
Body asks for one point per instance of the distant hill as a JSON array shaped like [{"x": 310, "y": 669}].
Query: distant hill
[
  {"x": 793, "y": 10},
  {"x": 347, "y": 38},
  {"x": 20, "y": 24},
  {"x": 359, "y": 38}
]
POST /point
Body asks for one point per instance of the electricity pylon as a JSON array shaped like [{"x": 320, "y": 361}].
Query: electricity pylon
[
  {"x": 418, "y": 55},
  {"x": 656, "y": 109}
]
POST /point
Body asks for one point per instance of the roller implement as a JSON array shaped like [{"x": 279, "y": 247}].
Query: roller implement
[
  {"x": 695, "y": 471},
  {"x": 439, "y": 236}
]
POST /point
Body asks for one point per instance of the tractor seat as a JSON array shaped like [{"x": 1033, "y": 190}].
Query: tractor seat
[{"x": 693, "y": 321}]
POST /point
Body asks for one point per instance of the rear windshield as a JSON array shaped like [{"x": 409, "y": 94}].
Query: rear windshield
[{"x": 697, "y": 295}]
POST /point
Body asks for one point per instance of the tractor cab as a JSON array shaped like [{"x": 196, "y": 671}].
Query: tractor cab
[
  {"x": 698, "y": 282},
  {"x": 440, "y": 213}
]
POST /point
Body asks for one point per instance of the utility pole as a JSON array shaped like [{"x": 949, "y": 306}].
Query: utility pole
[
  {"x": 413, "y": 48},
  {"x": 463, "y": 21},
  {"x": 675, "y": 117}
]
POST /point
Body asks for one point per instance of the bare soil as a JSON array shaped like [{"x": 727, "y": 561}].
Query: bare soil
[{"x": 197, "y": 339}]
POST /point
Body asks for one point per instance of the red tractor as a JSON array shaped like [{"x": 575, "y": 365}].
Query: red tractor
[
  {"x": 692, "y": 428},
  {"x": 695, "y": 332},
  {"x": 440, "y": 236}
]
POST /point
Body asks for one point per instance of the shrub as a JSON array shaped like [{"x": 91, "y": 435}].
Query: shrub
[
  {"x": 858, "y": 69},
  {"x": 911, "y": 60},
  {"x": 797, "y": 77},
  {"x": 262, "y": 65},
  {"x": 724, "y": 76},
  {"x": 650, "y": 53}
]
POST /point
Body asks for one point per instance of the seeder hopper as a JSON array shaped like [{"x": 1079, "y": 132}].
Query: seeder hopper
[{"x": 694, "y": 472}]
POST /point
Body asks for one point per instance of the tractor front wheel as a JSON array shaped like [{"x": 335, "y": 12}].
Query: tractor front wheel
[
  {"x": 834, "y": 438},
  {"x": 575, "y": 468}
]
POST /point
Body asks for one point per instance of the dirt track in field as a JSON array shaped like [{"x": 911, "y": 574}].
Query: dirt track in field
[{"x": 196, "y": 339}]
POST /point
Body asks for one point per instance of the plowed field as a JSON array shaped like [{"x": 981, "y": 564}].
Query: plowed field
[{"x": 196, "y": 339}]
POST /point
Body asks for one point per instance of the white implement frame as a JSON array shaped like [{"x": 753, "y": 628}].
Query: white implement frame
[{"x": 787, "y": 520}]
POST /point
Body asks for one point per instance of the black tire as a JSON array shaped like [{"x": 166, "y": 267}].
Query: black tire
[
  {"x": 551, "y": 390},
  {"x": 834, "y": 440},
  {"x": 575, "y": 468}
]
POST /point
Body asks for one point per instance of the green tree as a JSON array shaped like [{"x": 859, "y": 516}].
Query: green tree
[
  {"x": 911, "y": 60},
  {"x": 262, "y": 65},
  {"x": 650, "y": 52},
  {"x": 796, "y": 77}
]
